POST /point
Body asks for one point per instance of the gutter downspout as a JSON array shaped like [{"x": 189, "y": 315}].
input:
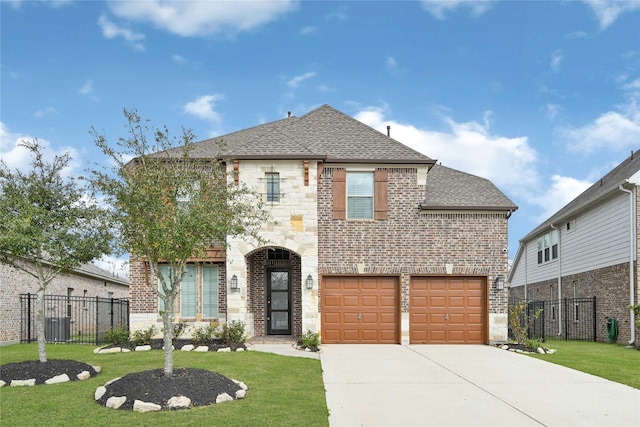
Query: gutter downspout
[
  {"x": 553, "y": 227},
  {"x": 526, "y": 267},
  {"x": 632, "y": 239}
]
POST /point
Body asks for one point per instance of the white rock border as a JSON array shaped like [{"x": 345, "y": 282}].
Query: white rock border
[{"x": 62, "y": 378}]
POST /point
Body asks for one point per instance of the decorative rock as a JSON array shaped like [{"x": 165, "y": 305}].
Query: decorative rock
[
  {"x": 143, "y": 348},
  {"x": 114, "y": 350},
  {"x": 172, "y": 347},
  {"x": 201, "y": 349},
  {"x": 140, "y": 406},
  {"x": 100, "y": 391},
  {"x": 504, "y": 347},
  {"x": 187, "y": 347},
  {"x": 240, "y": 394},
  {"x": 223, "y": 397},
  {"x": 541, "y": 350},
  {"x": 224, "y": 350},
  {"x": 2, "y": 383},
  {"x": 20, "y": 383},
  {"x": 98, "y": 369},
  {"x": 241, "y": 384},
  {"x": 112, "y": 381},
  {"x": 84, "y": 375},
  {"x": 551, "y": 351},
  {"x": 178, "y": 402},
  {"x": 63, "y": 378},
  {"x": 239, "y": 349},
  {"x": 116, "y": 401}
]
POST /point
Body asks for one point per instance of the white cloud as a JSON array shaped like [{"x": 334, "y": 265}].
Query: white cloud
[
  {"x": 87, "y": 88},
  {"x": 507, "y": 162},
  {"x": 44, "y": 112},
  {"x": 553, "y": 111},
  {"x": 178, "y": 58},
  {"x": 439, "y": 8},
  {"x": 200, "y": 18},
  {"x": 17, "y": 157},
  {"x": 308, "y": 30},
  {"x": 111, "y": 30},
  {"x": 295, "y": 82},
  {"x": 563, "y": 189},
  {"x": 203, "y": 107},
  {"x": 607, "y": 11},
  {"x": 611, "y": 130},
  {"x": 556, "y": 60}
]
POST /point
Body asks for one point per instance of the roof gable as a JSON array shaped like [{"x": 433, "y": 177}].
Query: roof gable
[{"x": 622, "y": 173}]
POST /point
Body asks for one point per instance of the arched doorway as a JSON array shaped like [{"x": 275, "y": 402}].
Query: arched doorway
[{"x": 275, "y": 291}]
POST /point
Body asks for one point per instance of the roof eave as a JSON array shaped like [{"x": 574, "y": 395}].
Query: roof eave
[{"x": 428, "y": 207}]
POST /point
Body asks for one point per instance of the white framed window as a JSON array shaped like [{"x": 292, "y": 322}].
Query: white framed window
[
  {"x": 273, "y": 186},
  {"x": 210, "y": 291},
  {"x": 547, "y": 247},
  {"x": 360, "y": 195}
]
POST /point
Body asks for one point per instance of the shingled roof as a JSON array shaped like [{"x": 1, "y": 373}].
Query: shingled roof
[
  {"x": 605, "y": 185},
  {"x": 324, "y": 134},
  {"x": 451, "y": 189}
]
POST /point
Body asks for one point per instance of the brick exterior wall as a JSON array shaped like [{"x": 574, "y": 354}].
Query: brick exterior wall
[
  {"x": 610, "y": 286},
  {"x": 14, "y": 282},
  {"x": 411, "y": 241}
]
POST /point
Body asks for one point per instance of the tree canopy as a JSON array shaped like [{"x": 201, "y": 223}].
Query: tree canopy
[
  {"x": 49, "y": 223},
  {"x": 170, "y": 205}
]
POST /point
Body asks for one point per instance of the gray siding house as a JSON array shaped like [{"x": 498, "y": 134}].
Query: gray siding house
[
  {"x": 369, "y": 242},
  {"x": 587, "y": 249}
]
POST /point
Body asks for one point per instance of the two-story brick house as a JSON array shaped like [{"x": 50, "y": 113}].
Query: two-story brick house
[{"x": 369, "y": 241}]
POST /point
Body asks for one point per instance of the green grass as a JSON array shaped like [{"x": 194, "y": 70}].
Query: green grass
[
  {"x": 283, "y": 391},
  {"x": 610, "y": 361}
]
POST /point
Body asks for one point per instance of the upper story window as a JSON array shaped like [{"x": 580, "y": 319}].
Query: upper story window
[
  {"x": 273, "y": 186},
  {"x": 548, "y": 247},
  {"x": 360, "y": 195}
]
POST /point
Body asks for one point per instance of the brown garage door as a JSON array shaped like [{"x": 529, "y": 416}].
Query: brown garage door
[
  {"x": 360, "y": 310},
  {"x": 447, "y": 310}
]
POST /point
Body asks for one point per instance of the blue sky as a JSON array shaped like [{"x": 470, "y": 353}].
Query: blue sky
[{"x": 540, "y": 97}]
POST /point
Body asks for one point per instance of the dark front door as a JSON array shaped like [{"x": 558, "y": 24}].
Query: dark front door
[{"x": 279, "y": 302}]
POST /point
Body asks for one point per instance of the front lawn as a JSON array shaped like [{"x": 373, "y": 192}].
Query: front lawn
[
  {"x": 611, "y": 361},
  {"x": 283, "y": 391}
]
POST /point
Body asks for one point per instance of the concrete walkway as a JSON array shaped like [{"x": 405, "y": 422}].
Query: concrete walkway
[{"x": 443, "y": 385}]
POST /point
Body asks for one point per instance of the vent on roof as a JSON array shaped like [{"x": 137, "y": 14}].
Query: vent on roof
[
  {"x": 389, "y": 131},
  {"x": 289, "y": 114}
]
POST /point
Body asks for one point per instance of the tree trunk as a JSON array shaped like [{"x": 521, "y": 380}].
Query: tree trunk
[
  {"x": 167, "y": 323},
  {"x": 40, "y": 326}
]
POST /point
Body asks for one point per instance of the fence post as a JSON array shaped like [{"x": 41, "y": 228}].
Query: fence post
[
  {"x": 29, "y": 317},
  {"x": 595, "y": 330},
  {"x": 565, "y": 316},
  {"x": 97, "y": 319}
]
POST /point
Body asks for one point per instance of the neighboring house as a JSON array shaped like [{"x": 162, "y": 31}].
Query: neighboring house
[
  {"x": 87, "y": 280},
  {"x": 587, "y": 249},
  {"x": 369, "y": 242}
]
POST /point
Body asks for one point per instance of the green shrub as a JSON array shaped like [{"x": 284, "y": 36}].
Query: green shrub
[
  {"x": 310, "y": 339},
  {"x": 178, "y": 329},
  {"x": 143, "y": 336},
  {"x": 519, "y": 322},
  {"x": 232, "y": 333},
  {"x": 204, "y": 334},
  {"x": 117, "y": 335}
]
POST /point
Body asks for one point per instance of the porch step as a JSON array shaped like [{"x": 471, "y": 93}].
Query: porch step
[{"x": 273, "y": 339}]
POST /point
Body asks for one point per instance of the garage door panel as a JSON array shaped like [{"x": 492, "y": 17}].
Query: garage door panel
[
  {"x": 368, "y": 307},
  {"x": 447, "y": 310}
]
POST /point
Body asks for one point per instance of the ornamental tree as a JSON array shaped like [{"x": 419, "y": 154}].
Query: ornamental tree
[
  {"x": 48, "y": 225},
  {"x": 171, "y": 206}
]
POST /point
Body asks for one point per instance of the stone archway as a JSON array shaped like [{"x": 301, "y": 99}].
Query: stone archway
[{"x": 275, "y": 310}]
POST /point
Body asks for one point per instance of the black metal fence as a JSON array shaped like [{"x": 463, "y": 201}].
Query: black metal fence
[
  {"x": 73, "y": 319},
  {"x": 566, "y": 319}
]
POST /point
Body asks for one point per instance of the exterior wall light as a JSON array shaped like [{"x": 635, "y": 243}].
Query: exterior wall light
[
  {"x": 309, "y": 282},
  {"x": 234, "y": 283},
  {"x": 499, "y": 282}
]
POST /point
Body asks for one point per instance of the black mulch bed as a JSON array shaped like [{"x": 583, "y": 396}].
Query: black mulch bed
[
  {"x": 158, "y": 344},
  {"x": 42, "y": 371},
  {"x": 199, "y": 385}
]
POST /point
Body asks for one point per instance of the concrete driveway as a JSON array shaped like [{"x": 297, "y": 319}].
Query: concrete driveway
[{"x": 466, "y": 385}]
